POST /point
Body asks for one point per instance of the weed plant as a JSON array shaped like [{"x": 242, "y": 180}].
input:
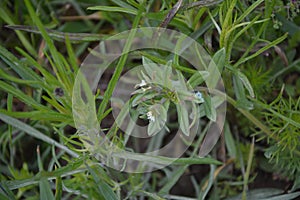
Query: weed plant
[{"x": 254, "y": 44}]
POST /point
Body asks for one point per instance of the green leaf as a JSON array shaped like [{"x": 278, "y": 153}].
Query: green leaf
[
  {"x": 219, "y": 59},
  {"x": 153, "y": 71},
  {"x": 154, "y": 127},
  {"x": 215, "y": 68},
  {"x": 103, "y": 188},
  {"x": 296, "y": 185},
  {"x": 123, "y": 4},
  {"x": 288, "y": 25},
  {"x": 160, "y": 118},
  {"x": 210, "y": 182},
  {"x": 165, "y": 160},
  {"x": 61, "y": 36},
  {"x": 120, "y": 65},
  {"x": 152, "y": 195},
  {"x": 246, "y": 83},
  {"x": 6, "y": 16},
  {"x": 267, "y": 194},
  {"x": 59, "y": 188},
  {"x": 244, "y": 104},
  {"x": 174, "y": 177},
  {"x": 114, "y": 9},
  {"x": 258, "y": 194},
  {"x": 20, "y": 95},
  {"x": 197, "y": 78},
  {"x": 248, "y": 11},
  {"x": 34, "y": 133},
  {"x": 183, "y": 118},
  {"x": 260, "y": 51},
  {"x": 56, "y": 60},
  {"x": 284, "y": 196},
  {"x": 5, "y": 192},
  {"x": 19, "y": 67},
  {"x": 47, "y": 115},
  {"x": 229, "y": 141},
  {"x": 45, "y": 190},
  {"x": 209, "y": 108},
  {"x": 242, "y": 101}
]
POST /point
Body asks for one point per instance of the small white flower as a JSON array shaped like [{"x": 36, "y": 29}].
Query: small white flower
[
  {"x": 198, "y": 95},
  {"x": 150, "y": 116},
  {"x": 143, "y": 83}
]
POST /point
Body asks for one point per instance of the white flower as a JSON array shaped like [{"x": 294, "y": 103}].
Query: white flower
[
  {"x": 150, "y": 116},
  {"x": 143, "y": 83},
  {"x": 198, "y": 95}
]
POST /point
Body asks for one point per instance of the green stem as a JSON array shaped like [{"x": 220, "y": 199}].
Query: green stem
[{"x": 247, "y": 174}]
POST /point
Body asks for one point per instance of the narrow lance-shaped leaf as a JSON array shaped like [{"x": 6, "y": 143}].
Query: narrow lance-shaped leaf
[
  {"x": 239, "y": 89},
  {"x": 183, "y": 118},
  {"x": 246, "y": 83},
  {"x": 210, "y": 109},
  {"x": 45, "y": 188},
  {"x": 215, "y": 68}
]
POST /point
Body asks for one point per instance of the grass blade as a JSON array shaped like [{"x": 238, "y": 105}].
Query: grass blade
[{"x": 35, "y": 133}]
